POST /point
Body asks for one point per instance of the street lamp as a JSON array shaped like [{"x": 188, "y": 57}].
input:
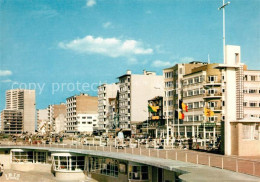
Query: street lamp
[{"x": 223, "y": 7}]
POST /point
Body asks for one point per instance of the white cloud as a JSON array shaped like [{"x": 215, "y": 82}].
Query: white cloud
[
  {"x": 6, "y": 81},
  {"x": 107, "y": 24},
  {"x": 5, "y": 72},
  {"x": 91, "y": 3},
  {"x": 187, "y": 59},
  {"x": 159, "y": 63},
  {"x": 111, "y": 47}
]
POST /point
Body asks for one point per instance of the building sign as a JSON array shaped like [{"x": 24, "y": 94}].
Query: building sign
[{"x": 208, "y": 124}]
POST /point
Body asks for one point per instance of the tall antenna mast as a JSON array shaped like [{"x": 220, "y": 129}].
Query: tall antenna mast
[{"x": 223, "y": 7}]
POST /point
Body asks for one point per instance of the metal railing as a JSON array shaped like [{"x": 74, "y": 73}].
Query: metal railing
[{"x": 151, "y": 149}]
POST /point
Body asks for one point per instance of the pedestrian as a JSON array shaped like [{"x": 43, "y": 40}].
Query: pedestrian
[{"x": 121, "y": 138}]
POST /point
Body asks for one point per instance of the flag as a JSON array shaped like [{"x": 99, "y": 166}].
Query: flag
[
  {"x": 181, "y": 115},
  {"x": 180, "y": 103},
  {"x": 208, "y": 112},
  {"x": 176, "y": 114},
  {"x": 184, "y": 107},
  {"x": 152, "y": 108}
]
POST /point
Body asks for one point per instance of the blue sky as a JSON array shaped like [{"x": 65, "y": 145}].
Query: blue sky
[{"x": 50, "y": 42}]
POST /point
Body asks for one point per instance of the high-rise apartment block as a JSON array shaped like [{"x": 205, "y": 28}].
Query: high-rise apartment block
[
  {"x": 19, "y": 101},
  {"x": 105, "y": 92},
  {"x": 77, "y": 105},
  {"x": 134, "y": 92}
]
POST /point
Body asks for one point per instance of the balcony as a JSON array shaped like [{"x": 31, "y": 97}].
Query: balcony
[
  {"x": 212, "y": 96},
  {"x": 212, "y": 83}
]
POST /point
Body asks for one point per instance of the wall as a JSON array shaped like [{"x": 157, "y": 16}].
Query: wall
[
  {"x": 104, "y": 178},
  {"x": 69, "y": 176},
  {"x": 5, "y": 159},
  {"x": 29, "y": 111},
  {"x": 143, "y": 88},
  {"x": 31, "y": 167},
  {"x": 247, "y": 147}
]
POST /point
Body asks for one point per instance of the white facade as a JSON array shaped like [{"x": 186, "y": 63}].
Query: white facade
[
  {"x": 105, "y": 92},
  {"x": 86, "y": 122},
  {"x": 251, "y": 94},
  {"x": 42, "y": 120},
  {"x": 135, "y": 91}
]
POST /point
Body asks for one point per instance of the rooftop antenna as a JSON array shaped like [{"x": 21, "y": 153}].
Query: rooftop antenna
[
  {"x": 223, "y": 7},
  {"x": 208, "y": 59}
]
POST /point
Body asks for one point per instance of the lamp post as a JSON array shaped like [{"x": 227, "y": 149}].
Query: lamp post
[{"x": 223, "y": 7}]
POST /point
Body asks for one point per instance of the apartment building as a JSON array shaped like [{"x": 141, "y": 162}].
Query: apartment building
[
  {"x": 134, "y": 92},
  {"x": 251, "y": 94},
  {"x": 42, "y": 120},
  {"x": 24, "y": 101},
  {"x": 113, "y": 115},
  {"x": 87, "y": 123},
  {"x": 56, "y": 118},
  {"x": 79, "y": 104},
  {"x": 105, "y": 92},
  {"x": 12, "y": 121},
  {"x": 202, "y": 89},
  {"x": 173, "y": 93}
]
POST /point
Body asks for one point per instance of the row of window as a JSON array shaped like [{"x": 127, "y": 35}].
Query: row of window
[
  {"x": 68, "y": 163},
  {"x": 194, "y": 80},
  {"x": 251, "y": 104},
  {"x": 252, "y": 78},
  {"x": 252, "y": 91},
  {"x": 29, "y": 157}
]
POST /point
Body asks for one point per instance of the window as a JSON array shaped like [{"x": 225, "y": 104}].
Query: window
[
  {"x": 190, "y": 92},
  {"x": 253, "y": 78},
  {"x": 211, "y": 91},
  {"x": 212, "y": 78},
  {"x": 212, "y": 104},
  {"x": 196, "y": 104},
  {"x": 189, "y": 105},
  {"x": 190, "y": 81},
  {"x": 196, "y": 118},
  {"x": 69, "y": 163},
  {"x": 253, "y": 104},
  {"x": 252, "y": 91},
  {"x": 83, "y": 117},
  {"x": 138, "y": 172},
  {"x": 201, "y": 103},
  {"x": 22, "y": 156},
  {"x": 89, "y": 122},
  {"x": 190, "y": 118},
  {"x": 83, "y": 122},
  {"x": 89, "y": 117},
  {"x": 196, "y": 92},
  {"x": 245, "y": 104},
  {"x": 196, "y": 80},
  {"x": 250, "y": 131},
  {"x": 245, "y": 78}
]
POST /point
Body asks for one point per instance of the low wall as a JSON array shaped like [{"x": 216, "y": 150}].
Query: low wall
[
  {"x": 31, "y": 167},
  {"x": 5, "y": 159},
  {"x": 249, "y": 148},
  {"x": 69, "y": 176}
]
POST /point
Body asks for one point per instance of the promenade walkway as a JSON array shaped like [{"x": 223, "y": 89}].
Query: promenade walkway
[{"x": 195, "y": 166}]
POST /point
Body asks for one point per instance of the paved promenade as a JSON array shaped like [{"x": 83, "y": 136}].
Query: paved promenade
[{"x": 165, "y": 160}]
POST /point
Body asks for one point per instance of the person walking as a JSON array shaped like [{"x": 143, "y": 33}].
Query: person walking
[{"x": 121, "y": 138}]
